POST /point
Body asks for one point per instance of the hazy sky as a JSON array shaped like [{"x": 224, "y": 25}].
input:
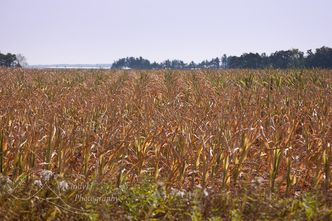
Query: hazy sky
[{"x": 101, "y": 31}]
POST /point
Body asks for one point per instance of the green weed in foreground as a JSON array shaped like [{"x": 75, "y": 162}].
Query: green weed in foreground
[{"x": 52, "y": 198}]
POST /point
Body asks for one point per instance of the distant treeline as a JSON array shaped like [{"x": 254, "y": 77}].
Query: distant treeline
[
  {"x": 294, "y": 58},
  {"x": 12, "y": 60}
]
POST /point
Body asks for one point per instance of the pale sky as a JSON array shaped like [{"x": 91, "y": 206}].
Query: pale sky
[{"x": 101, "y": 31}]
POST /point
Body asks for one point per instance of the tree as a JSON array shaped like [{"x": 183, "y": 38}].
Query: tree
[
  {"x": 224, "y": 61},
  {"x": 166, "y": 64},
  {"x": 214, "y": 63},
  {"x": 251, "y": 60},
  {"x": 22, "y": 61},
  {"x": 287, "y": 59},
  {"x": 131, "y": 62},
  {"x": 192, "y": 65},
  {"x": 321, "y": 59},
  {"x": 9, "y": 60},
  {"x": 233, "y": 62}
]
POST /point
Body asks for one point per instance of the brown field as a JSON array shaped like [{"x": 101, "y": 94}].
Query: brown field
[{"x": 172, "y": 145}]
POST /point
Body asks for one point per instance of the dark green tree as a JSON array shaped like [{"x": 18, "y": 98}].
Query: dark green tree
[{"x": 9, "y": 60}]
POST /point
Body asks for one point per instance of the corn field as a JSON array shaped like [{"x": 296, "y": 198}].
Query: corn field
[{"x": 165, "y": 144}]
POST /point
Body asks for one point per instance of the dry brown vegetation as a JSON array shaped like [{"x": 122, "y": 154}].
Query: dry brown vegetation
[{"x": 233, "y": 133}]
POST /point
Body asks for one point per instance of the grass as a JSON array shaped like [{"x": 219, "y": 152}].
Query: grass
[{"x": 170, "y": 145}]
